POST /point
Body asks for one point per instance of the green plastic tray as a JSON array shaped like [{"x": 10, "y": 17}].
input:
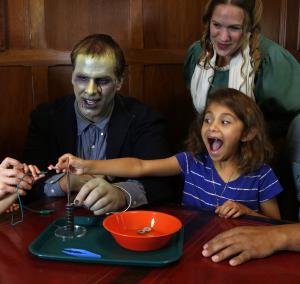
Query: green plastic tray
[{"x": 98, "y": 240}]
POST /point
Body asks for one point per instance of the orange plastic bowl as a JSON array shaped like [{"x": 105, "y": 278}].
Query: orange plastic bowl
[{"x": 125, "y": 226}]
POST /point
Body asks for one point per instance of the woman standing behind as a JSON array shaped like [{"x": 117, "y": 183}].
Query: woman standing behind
[{"x": 233, "y": 53}]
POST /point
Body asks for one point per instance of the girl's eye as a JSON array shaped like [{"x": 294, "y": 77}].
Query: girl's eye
[
  {"x": 226, "y": 122},
  {"x": 207, "y": 120}
]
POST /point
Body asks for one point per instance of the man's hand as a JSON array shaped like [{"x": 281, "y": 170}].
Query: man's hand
[
  {"x": 101, "y": 197},
  {"x": 242, "y": 244}
]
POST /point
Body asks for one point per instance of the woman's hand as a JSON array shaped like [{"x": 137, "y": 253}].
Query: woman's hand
[
  {"x": 13, "y": 174},
  {"x": 232, "y": 209},
  {"x": 12, "y": 208}
]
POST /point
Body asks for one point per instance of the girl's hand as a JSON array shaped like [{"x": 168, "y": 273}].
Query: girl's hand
[
  {"x": 232, "y": 209},
  {"x": 76, "y": 165}
]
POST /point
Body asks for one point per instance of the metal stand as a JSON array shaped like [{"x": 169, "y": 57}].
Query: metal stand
[{"x": 70, "y": 231}]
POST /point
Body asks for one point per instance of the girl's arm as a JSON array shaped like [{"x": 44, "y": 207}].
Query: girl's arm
[
  {"x": 123, "y": 167},
  {"x": 270, "y": 208}
]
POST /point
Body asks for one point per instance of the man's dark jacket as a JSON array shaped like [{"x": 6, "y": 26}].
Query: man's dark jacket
[{"x": 134, "y": 131}]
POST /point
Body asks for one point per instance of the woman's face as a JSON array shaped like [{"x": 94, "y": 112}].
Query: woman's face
[{"x": 226, "y": 30}]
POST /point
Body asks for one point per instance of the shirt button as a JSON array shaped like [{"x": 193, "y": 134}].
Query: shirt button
[
  {"x": 52, "y": 190},
  {"x": 93, "y": 146}
]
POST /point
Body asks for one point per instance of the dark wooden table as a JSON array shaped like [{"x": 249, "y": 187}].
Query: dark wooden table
[{"x": 17, "y": 265}]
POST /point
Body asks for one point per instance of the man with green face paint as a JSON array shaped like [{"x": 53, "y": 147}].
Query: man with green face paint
[{"x": 97, "y": 123}]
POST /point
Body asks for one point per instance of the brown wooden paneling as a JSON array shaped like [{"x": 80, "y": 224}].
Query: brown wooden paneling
[
  {"x": 271, "y": 20},
  {"x": 18, "y": 24},
  {"x": 37, "y": 24},
  {"x": 59, "y": 81},
  {"x": 154, "y": 34},
  {"x": 39, "y": 84},
  {"x": 3, "y": 18},
  {"x": 67, "y": 21},
  {"x": 16, "y": 103},
  {"x": 165, "y": 90},
  {"x": 172, "y": 23},
  {"x": 293, "y": 28}
]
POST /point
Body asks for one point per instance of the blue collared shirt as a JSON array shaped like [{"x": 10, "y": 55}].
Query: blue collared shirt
[{"x": 91, "y": 145}]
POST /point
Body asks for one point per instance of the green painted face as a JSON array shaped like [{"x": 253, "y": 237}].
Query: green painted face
[{"x": 95, "y": 85}]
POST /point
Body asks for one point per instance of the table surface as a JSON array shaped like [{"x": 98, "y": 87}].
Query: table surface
[{"x": 18, "y": 265}]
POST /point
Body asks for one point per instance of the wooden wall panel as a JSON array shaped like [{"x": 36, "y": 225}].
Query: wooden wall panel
[
  {"x": 67, "y": 21},
  {"x": 18, "y": 24},
  {"x": 16, "y": 103},
  {"x": 155, "y": 34},
  {"x": 165, "y": 90},
  {"x": 293, "y": 27},
  {"x": 3, "y": 15},
  {"x": 172, "y": 23},
  {"x": 59, "y": 82},
  {"x": 271, "y": 20}
]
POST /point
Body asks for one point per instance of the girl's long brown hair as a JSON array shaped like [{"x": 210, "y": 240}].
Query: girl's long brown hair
[{"x": 252, "y": 154}]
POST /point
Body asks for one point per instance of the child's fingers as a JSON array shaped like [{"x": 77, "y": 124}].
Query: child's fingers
[
  {"x": 231, "y": 212},
  {"x": 237, "y": 214},
  {"x": 224, "y": 210},
  {"x": 63, "y": 161}
]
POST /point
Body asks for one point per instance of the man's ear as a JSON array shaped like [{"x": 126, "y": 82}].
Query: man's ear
[
  {"x": 119, "y": 83},
  {"x": 248, "y": 136}
]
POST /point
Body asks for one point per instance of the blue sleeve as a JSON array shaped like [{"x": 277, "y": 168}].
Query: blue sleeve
[
  {"x": 136, "y": 191},
  {"x": 182, "y": 160},
  {"x": 52, "y": 187},
  {"x": 269, "y": 185}
]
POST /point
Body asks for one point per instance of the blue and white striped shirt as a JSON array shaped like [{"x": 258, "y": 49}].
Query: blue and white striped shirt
[{"x": 205, "y": 189}]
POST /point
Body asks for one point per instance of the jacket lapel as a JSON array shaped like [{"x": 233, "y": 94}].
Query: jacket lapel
[
  {"x": 118, "y": 128},
  {"x": 65, "y": 121}
]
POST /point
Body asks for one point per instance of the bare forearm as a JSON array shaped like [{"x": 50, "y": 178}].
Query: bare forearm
[
  {"x": 123, "y": 167},
  {"x": 132, "y": 167}
]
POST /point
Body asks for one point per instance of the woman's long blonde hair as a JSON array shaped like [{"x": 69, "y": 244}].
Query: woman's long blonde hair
[{"x": 251, "y": 28}]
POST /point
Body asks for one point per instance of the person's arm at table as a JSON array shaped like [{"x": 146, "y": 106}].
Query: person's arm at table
[
  {"x": 241, "y": 244},
  {"x": 124, "y": 167}
]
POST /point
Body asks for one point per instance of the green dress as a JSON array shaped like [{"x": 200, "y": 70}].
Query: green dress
[{"x": 278, "y": 78}]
